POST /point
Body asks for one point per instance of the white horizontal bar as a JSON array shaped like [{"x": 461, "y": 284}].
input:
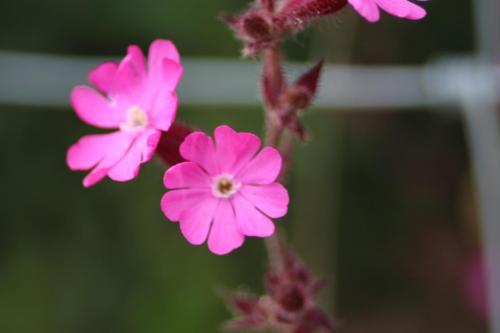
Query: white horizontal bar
[{"x": 46, "y": 80}]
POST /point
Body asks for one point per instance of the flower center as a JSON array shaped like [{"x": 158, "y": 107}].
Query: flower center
[
  {"x": 136, "y": 119},
  {"x": 224, "y": 186}
]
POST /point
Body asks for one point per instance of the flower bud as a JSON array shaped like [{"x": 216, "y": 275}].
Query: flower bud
[
  {"x": 256, "y": 27},
  {"x": 301, "y": 94},
  {"x": 298, "y": 97},
  {"x": 289, "y": 303},
  {"x": 266, "y": 23},
  {"x": 293, "y": 299},
  {"x": 168, "y": 147},
  {"x": 253, "y": 27},
  {"x": 296, "y": 13}
]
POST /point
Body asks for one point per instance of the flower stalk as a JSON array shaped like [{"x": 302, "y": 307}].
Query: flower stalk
[
  {"x": 224, "y": 189},
  {"x": 289, "y": 303}
]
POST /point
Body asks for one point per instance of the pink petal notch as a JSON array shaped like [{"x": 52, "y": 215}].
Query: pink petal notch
[
  {"x": 226, "y": 190},
  {"x": 137, "y": 99},
  {"x": 224, "y": 236},
  {"x": 370, "y": 9}
]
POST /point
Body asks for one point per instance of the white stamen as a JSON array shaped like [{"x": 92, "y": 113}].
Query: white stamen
[
  {"x": 225, "y": 186},
  {"x": 136, "y": 119}
]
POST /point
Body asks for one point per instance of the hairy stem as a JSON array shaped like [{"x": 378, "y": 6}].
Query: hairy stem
[{"x": 273, "y": 83}]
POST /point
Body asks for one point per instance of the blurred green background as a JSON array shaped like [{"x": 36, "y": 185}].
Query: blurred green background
[{"x": 382, "y": 203}]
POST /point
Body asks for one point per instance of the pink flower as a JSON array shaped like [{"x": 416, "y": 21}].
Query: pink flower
[
  {"x": 138, "y": 100},
  {"x": 370, "y": 9},
  {"x": 226, "y": 190}
]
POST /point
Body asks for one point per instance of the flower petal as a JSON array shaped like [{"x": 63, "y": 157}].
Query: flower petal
[
  {"x": 234, "y": 150},
  {"x": 195, "y": 222},
  {"x": 186, "y": 175},
  {"x": 102, "y": 76},
  {"x": 94, "y": 109},
  {"x": 128, "y": 167},
  {"x": 402, "y": 8},
  {"x": 94, "y": 176},
  {"x": 148, "y": 142},
  {"x": 161, "y": 49},
  {"x": 129, "y": 80},
  {"x": 224, "y": 236},
  {"x": 174, "y": 203},
  {"x": 171, "y": 74},
  {"x": 199, "y": 148},
  {"x": 366, "y": 8},
  {"x": 88, "y": 151},
  {"x": 270, "y": 199},
  {"x": 141, "y": 150},
  {"x": 138, "y": 60},
  {"x": 164, "y": 73},
  {"x": 163, "y": 110},
  {"x": 250, "y": 221},
  {"x": 263, "y": 168},
  {"x": 117, "y": 148}
]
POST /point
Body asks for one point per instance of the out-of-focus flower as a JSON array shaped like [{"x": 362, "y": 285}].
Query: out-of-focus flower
[
  {"x": 370, "y": 9},
  {"x": 226, "y": 190},
  {"x": 289, "y": 304},
  {"x": 475, "y": 286},
  {"x": 135, "y": 97}
]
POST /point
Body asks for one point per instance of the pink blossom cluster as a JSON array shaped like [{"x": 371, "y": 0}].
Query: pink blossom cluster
[{"x": 224, "y": 189}]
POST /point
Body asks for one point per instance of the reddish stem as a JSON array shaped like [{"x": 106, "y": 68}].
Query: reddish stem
[
  {"x": 273, "y": 84},
  {"x": 273, "y": 81}
]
